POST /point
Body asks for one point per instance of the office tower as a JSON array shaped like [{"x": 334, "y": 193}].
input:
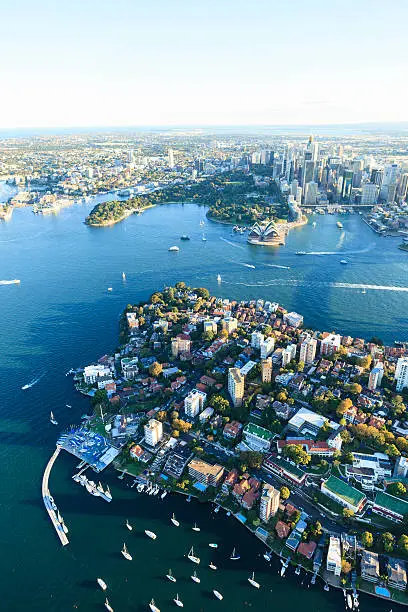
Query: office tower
[
  {"x": 153, "y": 432},
  {"x": 347, "y": 184},
  {"x": 376, "y": 177},
  {"x": 269, "y": 503},
  {"x": 310, "y": 198},
  {"x": 369, "y": 194},
  {"x": 401, "y": 374},
  {"x": 403, "y": 186},
  {"x": 389, "y": 182},
  {"x": 236, "y": 386},
  {"x": 308, "y": 350},
  {"x": 308, "y": 171}
]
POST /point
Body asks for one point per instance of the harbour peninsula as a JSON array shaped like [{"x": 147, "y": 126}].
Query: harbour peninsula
[{"x": 300, "y": 434}]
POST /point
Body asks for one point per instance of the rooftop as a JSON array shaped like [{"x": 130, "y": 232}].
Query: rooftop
[
  {"x": 259, "y": 432},
  {"x": 348, "y": 493},
  {"x": 394, "y": 504}
]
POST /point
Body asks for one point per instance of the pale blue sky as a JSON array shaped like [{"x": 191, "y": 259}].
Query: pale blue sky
[{"x": 185, "y": 62}]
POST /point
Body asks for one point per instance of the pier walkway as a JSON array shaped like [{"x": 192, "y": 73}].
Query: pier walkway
[{"x": 49, "y": 502}]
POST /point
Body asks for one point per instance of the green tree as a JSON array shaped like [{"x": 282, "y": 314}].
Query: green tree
[
  {"x": 296, "y": 453},
  {"x": 403, "y": 543},
  {"x": 347, "y": 513},
  {"x": 284, "y": 492},
  {"x": 367, "y": 539},
  {"x": 220, "y": 404},
  {"x": 100, "y": 398},
  {"x": 344, "y": 405},
  {"x": 251, "y": 459},
  {"x": 155, "y": 369},
  {"x": 387, "y": 541},
  {"x": 346, "y": 567},
  {"x": 397, "y": 488}
]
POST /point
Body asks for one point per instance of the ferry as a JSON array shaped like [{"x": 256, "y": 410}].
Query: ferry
[
  {"x": 217, "y": 594},
  {"x": 128, "y": 525},
  {"x": 153, "y": 606},
  {"x": 192, "y": 556},
  {"x": 178, "y": 601},
  {"x": 175, "y": 521},
  {"x": 126, "y": 553},
  {"x": 234, "y": 555},
  {"x": 252, "y": 581},
  {"x": 174, "y": 249},
  {"x": 102, "y": 584},
  {"x": 150, "y": 534},
  {"x": 170, "y": 576},
  {"x": 195, "y": 528},
  {"x": 195, "y": 578},
  {"x": 108, "y": 606}
]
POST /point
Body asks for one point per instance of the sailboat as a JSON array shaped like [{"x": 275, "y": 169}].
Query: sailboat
[
  {"x": 212, "y": 566},
  {"x": 128, "y": 525},
  {"x": 217, "y": 594},
  {"x": 108, "y": 494},
  {"x": 195, "y": 578},
  {"x": 219, "y": 278},
  {"x": 178, "y": 601},
  {"x": 126, "y": 554},
  {"x": 170, "y": 576},
  {"x": 202, "y": 223},
  {"x": 175, "y": 521},
  {"x": 252, "y": 581},
  {"x": 195, "y": 528},
  {"x": 192, "y": 556},
  {"x": 102, "y": 584},
  {"x": 123, "y": 276},
  {"x": 108, "y": 606},
  {"x": 204, "y": 239},
  {"x": 153, "y": 606},
  {"x": 150, "y": 534},
  {"x": 52, "y": 419},
  {"x": 364, "y": 290},
  {"x": 234, "y": 555}
]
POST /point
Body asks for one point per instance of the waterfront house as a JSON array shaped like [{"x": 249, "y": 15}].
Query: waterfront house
[
  {"x": 397, "y": 575},
  {"x": 370, "y": 566},
  {"x": 333, "y": 561},
  {"x": 307, "y": 549},
  {"x": 282, "y": 530},
  {"x": 230, "y": 481},
  {"x": 204, "y": 472}
]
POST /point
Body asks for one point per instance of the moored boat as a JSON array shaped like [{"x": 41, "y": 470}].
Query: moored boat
[
  {"x": 212, "y": 566},
  {"x": 192, "y": 556},
  {"x": 150, "y": 534},
  {"x": 253, "y": 582},
  {"x": 175, "y": 521},
  {"x": 178, "y": 601},
  {"x": 213, "y": 545},
  {"x": 234, "y": 555},
  {"x": 128, "y": 525},
  {"x": 126, "y": 553},
  {"x": 195, "y": 528},
  {"x": 195, "y": 578},
  {"x": 102, "y": 584},
  {"x": 108, "y": 606},
  {"x": 153, "y": 606},
  {"x": 52, "y": 419},
  {"x": 217, "y": 594},
  {"x": 170, "y": 576}
]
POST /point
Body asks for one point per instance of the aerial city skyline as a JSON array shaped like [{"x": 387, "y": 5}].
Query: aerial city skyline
[{"x": 204, "y": 306}]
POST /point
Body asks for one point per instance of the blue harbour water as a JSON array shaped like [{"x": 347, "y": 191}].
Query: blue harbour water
[{"x": 62, "y": 316}]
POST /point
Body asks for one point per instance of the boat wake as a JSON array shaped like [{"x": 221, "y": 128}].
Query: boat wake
[
  {"x": 334, "y": 285},
  {"x": 33, "y": 382},
  {"x": 234, "y": 244},
  {"x": 277, "y": 266},
  {"x": 366, "y": 250},
  {"x": 341, "y": 240}
]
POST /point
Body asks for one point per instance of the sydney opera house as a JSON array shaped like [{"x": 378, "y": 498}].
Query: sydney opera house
[{"x": 267, "y": 234}]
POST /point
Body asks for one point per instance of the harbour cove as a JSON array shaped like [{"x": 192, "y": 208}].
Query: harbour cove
[{"x": 53, "y": 325}]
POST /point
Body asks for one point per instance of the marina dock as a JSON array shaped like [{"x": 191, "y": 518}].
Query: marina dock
[{"x": 49, "y": 501}]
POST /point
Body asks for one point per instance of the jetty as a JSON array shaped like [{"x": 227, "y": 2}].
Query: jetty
[{"x": 49, "y": 501}]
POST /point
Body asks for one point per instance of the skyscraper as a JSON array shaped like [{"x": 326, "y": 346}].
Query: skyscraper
[
  {"x": 153, "y": 432},
  {"x": 269, "y": 502},
  {"x": 401, "y": 373},
  {"x": 236, "y": 386},
  {"x": 369, "y": 194},
  {"x": 171, "y": 158}
]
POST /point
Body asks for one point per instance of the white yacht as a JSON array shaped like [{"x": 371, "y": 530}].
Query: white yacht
[
  {"x": 150, "y": 534},
  {"x": 217, "y": 594},
  {"x": 68, "y": 405},
  {"x": 175, "y": 521},
  {"x": 170, "y": 576},
  {"x": 195, "y": 578},
  {"x": 128, "y": 525},
  {"x": 126, "y": 553},
  {"x": 213, "y": 545},
  {"x": 140, "y": 487},
  {"x": 153, "y": 606},
  {"x": 52, "y": 419},
  {"x": 212, "y": 566},
  {"x": 178, "y": 601},
  {"x": 267, "y": 556},
  {"x": 195, "y": 528},
  {"x": 108, "y": 606},
  {"x": 123, "y": 276},
  {"x": 192, "y": 556},
  {"x": 102, "y": 584},
  {"x": 174, "y": 249},
  {"x": 110, "y": 289},
  {"x": 252, "y": 581},
  {"x": 163, "y": 495},
  {"x": 219, "y": 278}
]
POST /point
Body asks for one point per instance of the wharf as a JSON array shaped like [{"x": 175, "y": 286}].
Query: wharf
[{"x": 48, "y": 500}]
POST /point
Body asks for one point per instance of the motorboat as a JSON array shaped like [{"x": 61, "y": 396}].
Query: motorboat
[
  {"x": 150, "y": 534},
  {"x": 344, "y": 262},
  {"x": 175, "y": 521},
  {"x": 68, "y": 405},
  {"x": 349, "y": 601},
  {"x": 170, "y": 576},
  {"x": 267, "y": 556},
  {"x": 178, "y": 601},
  {"x": 192, "y": 556},
  {"x": 102, "y": 584},
  {"x": 184, "y": 237},
  {"x": 126, "y": 553},
  {"x": 213, "y": 545},
  {"x": 110, "y": 289},
  {"x": 163, "y": 495},
  {"x": 174, "y": 249},
  {"x": 219, "y": 278},
  {"x": 253, "y": 582},
  {"x": 195, "y": 578},
  {"x": 217, "y": 594}
]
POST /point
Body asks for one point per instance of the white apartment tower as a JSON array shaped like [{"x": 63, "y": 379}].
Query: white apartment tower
[
  {"x": 308, "y": 350},
  {"x": 153, "y": 432},
  {"x": 269, "y": 502},
  {"x": 236, "y": 385},
  {"x": 401, "y": 373}
]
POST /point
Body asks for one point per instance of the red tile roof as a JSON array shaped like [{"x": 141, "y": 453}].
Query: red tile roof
[
  {"x": 307, "y": 549},
  {"x": 282, "y": 529}
]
